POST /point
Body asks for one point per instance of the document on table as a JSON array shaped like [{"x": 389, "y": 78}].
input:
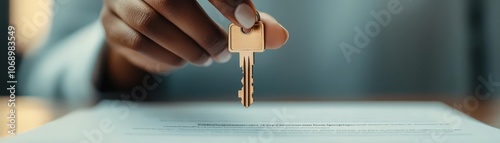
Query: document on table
[{"x": 264, "y": 122}]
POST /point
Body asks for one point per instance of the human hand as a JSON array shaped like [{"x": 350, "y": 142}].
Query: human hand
[{"x": 160, "y": 36}]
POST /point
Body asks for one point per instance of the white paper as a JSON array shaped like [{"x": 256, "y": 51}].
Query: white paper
[{"x": 264, "y": 122}]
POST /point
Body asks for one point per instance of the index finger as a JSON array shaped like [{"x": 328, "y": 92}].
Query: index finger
[{"x": 239, "y": 12}]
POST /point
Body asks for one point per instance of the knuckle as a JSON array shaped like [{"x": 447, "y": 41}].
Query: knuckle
[
  {"x": 103, "y": 17},
  {"x": 111, "y": 36},
  {"x": 146, "y": 19},
  {"x": 135, "y": 41},
  {"x": 113, "y": 33},
  {"x": 171, "y": 7},
  {"x": 106, "y": 18},
  {"x": 214, "y": 44}
]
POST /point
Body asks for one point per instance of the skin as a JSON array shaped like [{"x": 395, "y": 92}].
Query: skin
[{"x": 160, "y": 36}]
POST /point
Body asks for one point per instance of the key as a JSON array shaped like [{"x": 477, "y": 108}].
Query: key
[{"x": 246, "y": 44}]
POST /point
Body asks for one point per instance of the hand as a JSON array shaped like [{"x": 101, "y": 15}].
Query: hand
[{"x": 163, "y": 35}]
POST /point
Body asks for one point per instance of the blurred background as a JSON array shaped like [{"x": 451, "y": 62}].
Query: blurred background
[
  {"x": 431, "y": 48},
  {"x": 4, "y": 22}
]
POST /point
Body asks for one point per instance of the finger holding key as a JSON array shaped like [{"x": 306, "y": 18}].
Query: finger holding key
[
  {"x": 243, "y": 14},
  {"x": 239, "y": 12}
]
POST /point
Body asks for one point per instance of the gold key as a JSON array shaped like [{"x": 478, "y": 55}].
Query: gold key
[{"x": 246, "y": 44}]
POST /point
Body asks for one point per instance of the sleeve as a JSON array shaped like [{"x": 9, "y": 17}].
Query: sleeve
[{"x": 65, "y": 71}]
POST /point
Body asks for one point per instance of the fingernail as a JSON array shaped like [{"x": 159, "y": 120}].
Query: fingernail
[
  {"x": 287, "y": 34},
  {"x": 208, "y": 62},
  {"x": 245, "y": 15},
  {"x": 223, "y": 57}
]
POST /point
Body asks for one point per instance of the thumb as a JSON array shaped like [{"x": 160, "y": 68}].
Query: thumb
[{"x": 239, "y": 12}]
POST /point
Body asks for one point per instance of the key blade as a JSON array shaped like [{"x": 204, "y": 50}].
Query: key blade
[{"x": 246, "y": 64}]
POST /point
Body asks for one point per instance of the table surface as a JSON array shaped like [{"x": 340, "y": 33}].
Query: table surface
[{"x": 34, "y": 112}]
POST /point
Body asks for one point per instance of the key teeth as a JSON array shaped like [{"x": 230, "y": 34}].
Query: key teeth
[
  {"x": 246, "y": 65},
  {"x": 240, "y": 95}
]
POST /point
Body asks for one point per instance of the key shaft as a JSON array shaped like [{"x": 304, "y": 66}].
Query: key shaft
[{"x": 246, "y": 92}]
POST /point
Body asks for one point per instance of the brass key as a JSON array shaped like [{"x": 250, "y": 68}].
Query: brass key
[{"x": 246, "y": 44}]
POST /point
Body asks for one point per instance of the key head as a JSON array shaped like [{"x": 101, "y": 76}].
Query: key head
[{"x": 252, "y": 41}]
